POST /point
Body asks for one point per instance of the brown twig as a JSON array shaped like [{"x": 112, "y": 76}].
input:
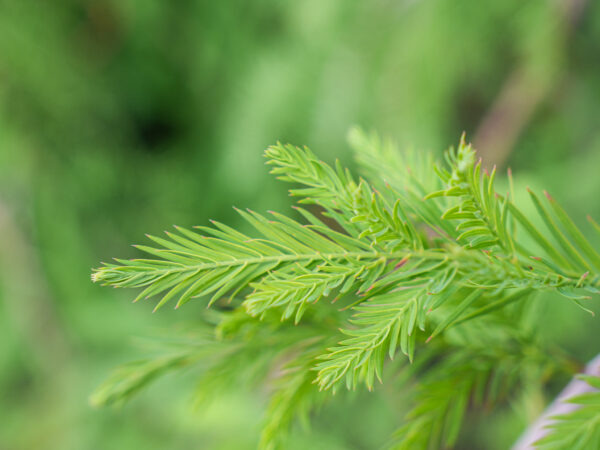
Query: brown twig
[{"x": 522, "y": 93}]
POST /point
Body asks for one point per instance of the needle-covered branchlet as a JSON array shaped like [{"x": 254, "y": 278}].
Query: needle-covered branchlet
[{"x": 414, "y": 262}]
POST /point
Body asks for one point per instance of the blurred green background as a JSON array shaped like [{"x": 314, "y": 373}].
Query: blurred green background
[{"x": 123, "y": 117}]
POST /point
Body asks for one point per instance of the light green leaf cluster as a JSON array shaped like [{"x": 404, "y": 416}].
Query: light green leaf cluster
[
  {"x": 369, "y": 269},
  {"x": 482, "y": 218}
]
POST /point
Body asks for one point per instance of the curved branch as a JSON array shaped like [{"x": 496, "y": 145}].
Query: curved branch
[{"x": 560, "y": 405}]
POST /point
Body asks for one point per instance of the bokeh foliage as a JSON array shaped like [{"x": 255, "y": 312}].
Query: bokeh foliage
[{"x": 122, "y": 117}]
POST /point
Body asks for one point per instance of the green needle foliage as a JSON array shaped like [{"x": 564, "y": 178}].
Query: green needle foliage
[{"x": 423, "y": 260}]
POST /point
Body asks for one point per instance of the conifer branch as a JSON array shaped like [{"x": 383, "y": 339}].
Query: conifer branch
[{"x": 424, "y": 253}]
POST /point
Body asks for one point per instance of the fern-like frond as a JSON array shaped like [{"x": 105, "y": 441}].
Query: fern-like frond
[
  {"x": 404, "y": 177},
  {"x": 485, "y": 221},
  {"x": 481, "y": 215},
  {"x": 223, "y": 261},
  {"x": 416, "y": 254},
  {"x": 322, "y": 185},
  {"x": 294, "y": 293},
  {"x": 382, "y": 324},
  {"x": 357, "y": 207}
]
